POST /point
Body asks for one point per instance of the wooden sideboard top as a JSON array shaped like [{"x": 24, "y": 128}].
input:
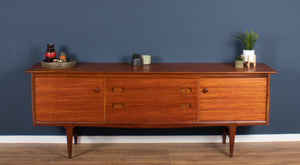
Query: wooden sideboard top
[{"x": 155, "y": 68}]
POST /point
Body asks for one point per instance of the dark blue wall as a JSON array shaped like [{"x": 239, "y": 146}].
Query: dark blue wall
[{"x": 170, "y": 30}]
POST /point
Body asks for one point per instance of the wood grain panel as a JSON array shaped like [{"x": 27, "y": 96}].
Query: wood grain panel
[
  {"x": 233, "y": 99},
  {"x": 161, "y": 95},
  {"x": 69, "y": 99},
  {"x": 152, "y": 99}
]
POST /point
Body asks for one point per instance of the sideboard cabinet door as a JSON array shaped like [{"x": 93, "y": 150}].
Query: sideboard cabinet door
[
  {"x": 69, "y": 99},
  {"x": 233, "y": 99},
  {"x": 151, "y": 99}
]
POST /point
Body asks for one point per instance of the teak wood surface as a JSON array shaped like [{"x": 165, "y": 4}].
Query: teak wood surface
[
  {"x": 151, "y": 100},
  {"x": 154, "y": 96},
  {"x": 69, "y": 99},
  {"x": 224, "y": 68},
  {"x": 228, "y": 97}
]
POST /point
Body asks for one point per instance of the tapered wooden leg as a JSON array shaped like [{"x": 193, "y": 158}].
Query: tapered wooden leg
[
  {"x": 224, "y": 135},
  {"x": 232, "y": 130},
  {"x": 75, "y": 135},
  {"x": 69, "y": 132}
]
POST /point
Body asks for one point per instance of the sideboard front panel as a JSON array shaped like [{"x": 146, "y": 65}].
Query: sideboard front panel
[
  {"x": 151, "y": 99},
  {"x": 233, "y": 99},
  {"x": 163, "y": 95},
  {"x": 69, "y": 99}
]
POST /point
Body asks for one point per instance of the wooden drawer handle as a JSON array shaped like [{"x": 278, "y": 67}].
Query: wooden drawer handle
[
  {"x": 118, "y": 105},
  {"x": 185, "y": 90},
  {"x": 185, "y": 105},
  {"x": 118, "y": 90},
  {"x": 97, "y": 90},
  {"x": 205, "y": 90}
]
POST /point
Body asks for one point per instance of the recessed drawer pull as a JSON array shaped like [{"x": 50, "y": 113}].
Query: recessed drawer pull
[
  {"x": 185, "y": 90},
  {"x": 118, "y": 105},
  {"x": 185, "y": 105},
  {"x": 118, "y": 90}
]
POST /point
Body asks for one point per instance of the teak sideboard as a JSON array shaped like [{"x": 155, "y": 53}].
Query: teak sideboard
[{"x": 162, "y": 95}]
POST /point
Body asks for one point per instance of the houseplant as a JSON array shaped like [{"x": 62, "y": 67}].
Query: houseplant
[
  {"x": 239, "y": 62},
  {"x": 248, "y": 40}
]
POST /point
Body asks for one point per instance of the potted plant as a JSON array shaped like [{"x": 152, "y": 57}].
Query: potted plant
[
  {"x": 239, "y": 62},
  {"x": 248, "y": 40}
]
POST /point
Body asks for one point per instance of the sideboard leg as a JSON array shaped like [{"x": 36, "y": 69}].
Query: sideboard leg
[
  {"x": 224, "y": 135},
  {"x": 75, "y": 135},
  {"x": 69, "y": 132},
  {"x": 232, "y": 131}
]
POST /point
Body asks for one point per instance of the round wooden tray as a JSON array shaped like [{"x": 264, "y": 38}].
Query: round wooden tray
[{"x": 59, "y": 65}]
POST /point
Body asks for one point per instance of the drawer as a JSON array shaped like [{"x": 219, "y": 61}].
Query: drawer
[
  {"x": 233, "y": 99},
  {"x": 151, "y": 99},
  {"x": 69, "y": 99}
]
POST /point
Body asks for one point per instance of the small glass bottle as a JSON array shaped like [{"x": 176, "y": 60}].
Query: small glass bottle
[
  {"x": 62, "y": 56},
  {"x": 50, "y": 53}
]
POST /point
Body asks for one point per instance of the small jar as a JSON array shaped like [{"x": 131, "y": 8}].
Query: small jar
[
  {"x": 136, "y": 60},
  {"x": 62, "y": 56}
]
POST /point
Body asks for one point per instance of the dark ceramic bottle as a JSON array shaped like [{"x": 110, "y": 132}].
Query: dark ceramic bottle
[
  {"x": 50, "y": 53},
  {"x": 136, "y": 60}
]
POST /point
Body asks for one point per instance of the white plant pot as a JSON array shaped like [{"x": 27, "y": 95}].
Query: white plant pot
[
  {"x": 146, "y": 59},
  {"x": 248, "y": 55}
]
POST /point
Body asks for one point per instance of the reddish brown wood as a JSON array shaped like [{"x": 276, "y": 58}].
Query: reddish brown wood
[
  {"x": 33, "y": 97},
  {"x": 68, "y": 99},
  {"x": 154, "y": 124},
  {"x": 232, "y": 130},
  {"x": 118, "y": 90},
  {"x": 155, "y": 68},
  {"x": 151, "y": 100},
  {"x": 233, "y": 99},
  {"x": 69, "y": 133},
  {"x": 155, "y": 96},
  {"x": 268, "y": 99},
  {"x": 224, "y": 133},
  {"x": 104, "y": 98}
]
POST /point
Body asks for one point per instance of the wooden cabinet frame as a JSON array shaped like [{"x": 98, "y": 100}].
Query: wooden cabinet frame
[{"x": 179, "y": 85}]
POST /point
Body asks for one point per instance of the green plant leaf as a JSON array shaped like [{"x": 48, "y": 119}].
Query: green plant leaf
[{"x": 248, "y": 39}]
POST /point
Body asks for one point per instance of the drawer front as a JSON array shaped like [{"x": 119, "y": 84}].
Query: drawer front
[
  {"x": 151, "y": 99},
  {"x": 69, "y": 99},
  {"x": 233, "y": 99}
]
